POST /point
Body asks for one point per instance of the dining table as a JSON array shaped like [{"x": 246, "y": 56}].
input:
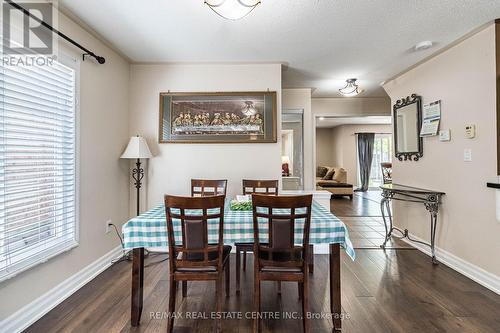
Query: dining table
[{"x": 149, "y": 230}]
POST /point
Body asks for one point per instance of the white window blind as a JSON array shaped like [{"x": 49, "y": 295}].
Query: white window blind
[{"x": 38, "y": 209}]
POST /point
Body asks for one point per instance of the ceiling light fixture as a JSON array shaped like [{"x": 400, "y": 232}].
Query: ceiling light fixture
[
  {"x": 351, "y": 89},
  {"x": 232, "y": 9}
]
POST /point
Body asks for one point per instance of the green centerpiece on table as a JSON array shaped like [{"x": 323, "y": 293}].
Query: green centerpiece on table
[{"x": 242, "y": 203}]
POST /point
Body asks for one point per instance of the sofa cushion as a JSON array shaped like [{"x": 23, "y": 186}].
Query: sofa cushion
[
  {"x": 329, "y": 174},
  {"x": 340, "y": 175},
  {"x": 321, "y": 171}
]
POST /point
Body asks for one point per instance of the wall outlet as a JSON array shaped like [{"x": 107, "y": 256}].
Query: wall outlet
[{"x": 108, "y": 226}]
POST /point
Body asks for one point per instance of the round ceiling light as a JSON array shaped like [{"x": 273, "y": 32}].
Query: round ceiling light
[
  {"x": 232, "y": 9},
  {"x": 351, "y": 89}
]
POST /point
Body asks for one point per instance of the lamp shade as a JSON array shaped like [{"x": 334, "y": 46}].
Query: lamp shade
[
  {"x": 285, "y": 160},
  {"x": 232, "y": 9},
  {"x": 137, "y": 148}
]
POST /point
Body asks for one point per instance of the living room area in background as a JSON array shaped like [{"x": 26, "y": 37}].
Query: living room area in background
[{"x": 338, "y": 170}]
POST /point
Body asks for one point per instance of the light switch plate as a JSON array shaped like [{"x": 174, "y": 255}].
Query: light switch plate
[
  {"x": 467, "y": 155},
  {"x": 445, "y": 135}
]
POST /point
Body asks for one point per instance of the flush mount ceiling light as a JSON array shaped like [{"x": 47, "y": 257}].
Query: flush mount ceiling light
[
  {"x": 232, "y": 9},
  {"x": 351, "y": 88}
]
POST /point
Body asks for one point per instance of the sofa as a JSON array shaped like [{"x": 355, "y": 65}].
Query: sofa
[{"x": 333, "y": 180}]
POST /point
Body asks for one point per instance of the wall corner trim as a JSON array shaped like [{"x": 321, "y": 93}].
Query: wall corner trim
[
  {"x": 473, "y": 272},
  {"x": 30, "y": 313}
]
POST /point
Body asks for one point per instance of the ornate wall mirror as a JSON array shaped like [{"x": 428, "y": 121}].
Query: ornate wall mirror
[{"x": 407, "y": 123}]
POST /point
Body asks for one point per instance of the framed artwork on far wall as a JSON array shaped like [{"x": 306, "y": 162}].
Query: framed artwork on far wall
[{"x": 218, "y": 117}]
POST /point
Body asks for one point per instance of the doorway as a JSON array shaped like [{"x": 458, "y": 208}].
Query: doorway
[
  {"x": 382, "y": 153},
  {"x": 292, "y": 150}
]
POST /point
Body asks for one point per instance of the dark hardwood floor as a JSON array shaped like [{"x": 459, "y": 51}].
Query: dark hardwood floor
[
  {"x": 362, "y": 204},
  {"x": 362, "y": 216},
  {"x": 393, "y": 291}
]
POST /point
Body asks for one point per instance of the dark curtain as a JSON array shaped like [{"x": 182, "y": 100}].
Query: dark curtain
[{"x": 365, "y": 156}]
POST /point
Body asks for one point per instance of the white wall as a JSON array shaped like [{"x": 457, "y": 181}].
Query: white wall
[
  {"x": 463, "y": 78},
  {"x": 103, "y": 177},
  {"x": 174, "y": 165}
]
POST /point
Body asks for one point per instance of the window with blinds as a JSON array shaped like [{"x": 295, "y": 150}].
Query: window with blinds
[{"x": 38, "y": 209}]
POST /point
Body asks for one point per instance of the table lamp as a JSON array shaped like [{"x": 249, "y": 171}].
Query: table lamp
[
  {"x": 285, "y": 169},
  {"x": 137, "y": 148}
]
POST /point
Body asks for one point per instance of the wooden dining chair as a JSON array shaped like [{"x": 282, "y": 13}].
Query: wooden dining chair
[
  {"x": 281, "y": 259},
  {"x": 386, "y": 172},
  {"x": 196, "y": 259},
  {"x": 208, "y": 187},
  {"x": 264, "y": 187}
]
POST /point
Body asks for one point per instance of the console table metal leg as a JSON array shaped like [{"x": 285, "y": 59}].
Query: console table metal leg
[
  {"x": 432, "y": 206},
  {"x": 382, "y": 210},
  {"x": 433, "y": 237},
  {"x": 385, "y": 206}
]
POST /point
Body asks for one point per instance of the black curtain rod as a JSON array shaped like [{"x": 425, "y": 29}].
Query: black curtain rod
[
  {"x": 100, "y": 60},
  {"x": 370, "y": 132}
]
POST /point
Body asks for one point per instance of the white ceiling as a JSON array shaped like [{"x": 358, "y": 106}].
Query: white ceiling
[
  {"x": 321, "y": 42},
  {"x": 329, "y": 122}
]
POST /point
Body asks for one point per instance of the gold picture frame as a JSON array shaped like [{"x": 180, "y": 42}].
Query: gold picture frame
[{"x": 218, "y": 117}]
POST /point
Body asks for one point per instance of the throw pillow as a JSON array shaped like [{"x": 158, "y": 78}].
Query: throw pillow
[
  {"x": 329, "y": 174},
  {"x": 321, "y": 171}
]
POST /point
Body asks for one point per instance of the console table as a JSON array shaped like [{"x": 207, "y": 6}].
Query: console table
[{"x": 430, "y": 199}]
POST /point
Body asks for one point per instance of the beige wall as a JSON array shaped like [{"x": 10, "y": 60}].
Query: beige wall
[
  {"x": 103, "y": 177},
  {"x": 324, "y": 147},
  {"x": 357, "y": 106},
  {"x": 174, "y": 165},
  {"x": 337, "y": 146},
  {"x": 463, "y": 78}
]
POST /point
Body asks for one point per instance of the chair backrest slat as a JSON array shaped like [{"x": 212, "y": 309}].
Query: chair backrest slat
[
  {"x": 194, "y": 216},
  {"x": 269, "y": 187},
  {"x": 208, "y": 187}
]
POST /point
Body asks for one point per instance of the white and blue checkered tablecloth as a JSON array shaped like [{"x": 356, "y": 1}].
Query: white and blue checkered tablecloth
[{"x": 150, "y": 229}]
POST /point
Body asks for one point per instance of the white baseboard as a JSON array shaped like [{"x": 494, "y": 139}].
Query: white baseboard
[
  {"x": 23, "y": 318},
  {"x": 473, "y": 272}
]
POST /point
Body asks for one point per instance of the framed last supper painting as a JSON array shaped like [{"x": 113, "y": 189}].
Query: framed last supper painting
[{"x": 219, "y": 117}]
